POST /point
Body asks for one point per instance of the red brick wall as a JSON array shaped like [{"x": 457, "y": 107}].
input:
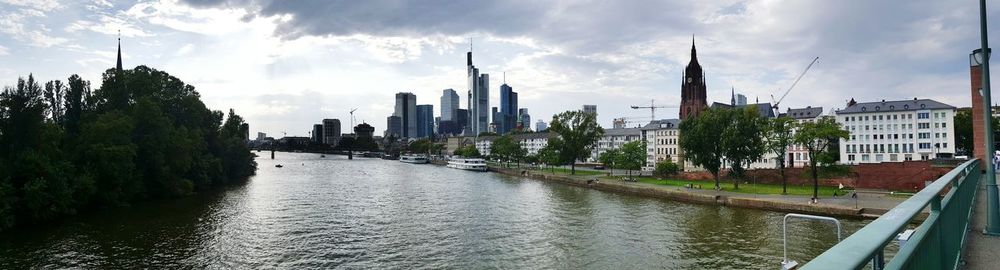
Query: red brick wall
[
  {"x": 897, "y": 176},
  {"x": 978, "y": 136}
]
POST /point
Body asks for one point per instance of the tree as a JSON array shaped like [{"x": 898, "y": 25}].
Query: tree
[
  {"x": 578, "y": 132},
  {"x": 700, "y": 138},
  {"x": 779, "y": 138},
  {"x": 817, "y": 137},
  {"x": 743, "y": 141},
  {"x": 633, "y": 156},
  {"x": 78, "y": 91},
  {"x": 549, "y": 155},
  {"x": 666, "y": 169},
  {"x": 507, "y": 149},
  {"x": 609, "y": 158},
  {"x": 468, "y": 151}
]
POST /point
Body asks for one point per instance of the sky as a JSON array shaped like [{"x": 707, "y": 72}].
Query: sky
[{"x": 286, "y": 65}]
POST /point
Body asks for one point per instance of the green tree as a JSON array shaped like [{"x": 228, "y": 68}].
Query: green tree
[
  {"x": 578, "y": 132},
  {"x": 79, "y": 89},
  {"x": 468, "y": 151},
  {"x": 701, "y": 139},
  {"x": 817, "y": 137},
  {"x": 549, "y": 154},
  {"x": 609, "y": 158},
  {"x": 743, "y": 141},
  {"x": 779, "y": 138},
  {"x": 666, "y": 169},
  {"x": 633, "y": 156}
]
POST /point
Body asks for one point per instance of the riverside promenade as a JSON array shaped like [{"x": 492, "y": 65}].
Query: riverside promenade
[
  {"x": 866, "y": 205},
  {"x": 980, "y": 249}
]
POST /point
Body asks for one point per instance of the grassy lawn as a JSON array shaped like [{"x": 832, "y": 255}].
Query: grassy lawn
[
  {"x": 744, "y": 187},
  {"x": 567, "y": 171}
]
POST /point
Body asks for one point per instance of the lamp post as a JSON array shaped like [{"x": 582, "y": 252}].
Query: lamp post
[{"x": 982, "y": 57}]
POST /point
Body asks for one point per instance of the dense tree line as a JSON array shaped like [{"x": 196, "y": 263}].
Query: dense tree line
[{"x": 143, "y": 135}]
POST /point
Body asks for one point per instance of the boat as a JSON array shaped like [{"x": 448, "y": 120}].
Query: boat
[
  {"x": 322, "y": 156},
  {"x": 416, "y": 159},
  {"x": 469, "y": 164},
  {"x": 278, "y": 166}
]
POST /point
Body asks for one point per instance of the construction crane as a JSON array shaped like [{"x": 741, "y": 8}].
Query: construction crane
[
  {"x": 352, "y": 116},
  {"x": 652, "y": 108},
  {"x": 776, "y": 102}
]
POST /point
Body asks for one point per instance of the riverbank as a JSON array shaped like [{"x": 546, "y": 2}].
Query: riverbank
[{"x": 867, "y": 206}]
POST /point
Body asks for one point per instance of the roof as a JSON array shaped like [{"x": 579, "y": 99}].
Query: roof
[
  {"x": 897, "y": 106},
  {"x": 520, "y": 136},
  {"x": 804, "y": 113},
  {"x": 622, "y": 131},
  {"x": 662, "y": 123},
  {"x": 763, "y": 108}
]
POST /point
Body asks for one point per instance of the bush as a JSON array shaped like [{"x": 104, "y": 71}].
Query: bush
[{"x": 666, "y": 169}]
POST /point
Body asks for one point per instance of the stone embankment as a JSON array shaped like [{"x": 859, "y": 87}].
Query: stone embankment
[{"x": 703, "y": 197}]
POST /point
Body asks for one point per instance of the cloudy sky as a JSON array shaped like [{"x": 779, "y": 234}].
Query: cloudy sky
[{"x": 285, "y": 65}]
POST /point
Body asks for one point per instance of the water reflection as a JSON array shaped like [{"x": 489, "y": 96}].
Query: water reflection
[{"x": 367, "y": 213}]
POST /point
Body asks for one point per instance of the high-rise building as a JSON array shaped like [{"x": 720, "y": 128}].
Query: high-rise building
[
  {"x": 461, "y": 122},
  {"x": 449, "y": 104},
  {"x": 317, "y": 133},
  {"x": 425, "y": 120},
  {"x": 693, "y": 94},
  {"x": 331, "y": 131},
  {"x": 508, "y": 109},
  {"x": 394, "y": 126},
  {"x": 590, "y": 109},
  {"x": 364, "y": 130},
  {"x": 406, "y": 109},
  {"x": 523, "y": 119},
  {"x": 541, "y": 126},
  {"x": 479, "y": 98},
  {"x": 261, "y": 136}
]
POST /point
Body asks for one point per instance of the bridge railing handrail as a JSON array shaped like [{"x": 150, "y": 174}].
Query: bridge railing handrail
[{"x": 948, "y": 218}]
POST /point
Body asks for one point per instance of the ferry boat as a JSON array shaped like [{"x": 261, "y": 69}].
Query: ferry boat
[
  {"x": 469, "y": 164},
  {"x": 416, "y": 159}
]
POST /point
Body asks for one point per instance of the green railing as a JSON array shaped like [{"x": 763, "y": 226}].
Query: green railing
[{"x": 935, "y": 244}]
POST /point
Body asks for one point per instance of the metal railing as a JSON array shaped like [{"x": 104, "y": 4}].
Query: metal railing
[
  {"x": 790, "y": 264},
  {"x": 935, "y": 244}
]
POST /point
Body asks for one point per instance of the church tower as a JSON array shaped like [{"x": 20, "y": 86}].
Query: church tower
[
  {"x": 693, "y": 93},
  {"x": 119, "y": 67}
]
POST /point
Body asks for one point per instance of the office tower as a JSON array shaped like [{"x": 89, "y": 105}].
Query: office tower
[
  {"x": 541, "y": 126},
  {"x": 364, "y": 130},
  {"x": 523, "y": 119},
  {"x": 461, "y": 122},
  {"x": 508, "y": 109},
  {"x": 317, "y": 133},
  {"x": 590, "y": 109},
  {"x": 479, "y": 98},
  {"x": 406, "y": 109},
  {"x": 393, "y": 126},
  {"x": 425, "y": 120},
  {"x": 449, "y": 104},
  {"x": 331, "y": 131}
]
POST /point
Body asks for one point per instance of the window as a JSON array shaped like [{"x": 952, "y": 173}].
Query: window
[
  {"x": 923, "y": 115},
  {"x": 923, "y": 125},
  {"x": 924, "y": 135},
  {"x": 944, "y": 145},
  {"x": 937, "y": 125},
  {"x": 925, "y": 145},
  {"x": 850, "y": 157},
  {"x": 944, "y": 125}
]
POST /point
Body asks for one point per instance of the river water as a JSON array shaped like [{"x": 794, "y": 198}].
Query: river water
[{"x": 376, "y": 214}]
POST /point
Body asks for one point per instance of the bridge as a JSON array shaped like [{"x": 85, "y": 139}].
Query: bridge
[{"x": 951, "y": 237}]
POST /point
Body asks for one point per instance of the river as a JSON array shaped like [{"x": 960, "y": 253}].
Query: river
[{"x": 376, "y": 214}]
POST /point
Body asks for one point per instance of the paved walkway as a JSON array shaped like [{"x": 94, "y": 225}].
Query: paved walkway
[{"x": 981, "y": 250}]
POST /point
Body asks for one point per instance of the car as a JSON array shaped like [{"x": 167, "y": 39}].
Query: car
[{"x": 599, "y": 167}]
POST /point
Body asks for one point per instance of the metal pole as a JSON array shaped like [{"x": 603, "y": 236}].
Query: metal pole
[{"x": 993, "y": 210}]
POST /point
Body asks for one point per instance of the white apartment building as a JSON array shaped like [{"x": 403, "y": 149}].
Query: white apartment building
[
  {"x": 798, "y": 156},
  {"x": 661, "y": 142},
  {"x": 894, "y": 131},
  {"x": 531, "y": 142},
  {"x": 614, "y": 139}
]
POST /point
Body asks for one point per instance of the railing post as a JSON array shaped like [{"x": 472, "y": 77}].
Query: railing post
[{"x": 878, "y": 261}]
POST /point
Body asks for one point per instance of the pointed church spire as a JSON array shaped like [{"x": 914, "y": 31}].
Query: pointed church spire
[
  {"x": 694, "y": 53},
  {"x": 119, "y": 67}
]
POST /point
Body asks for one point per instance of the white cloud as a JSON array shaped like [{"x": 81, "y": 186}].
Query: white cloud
[
  {"x": 43, "y": 5},
  {"x": 109, "y": 25},
  {"x": 4, "y": 51}
]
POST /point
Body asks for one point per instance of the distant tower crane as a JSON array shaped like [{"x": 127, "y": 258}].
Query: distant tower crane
[
  {"x": 652, "y": 108},
  {"x": 352, "y": 116},
  {"x": 775, "y": 106}
]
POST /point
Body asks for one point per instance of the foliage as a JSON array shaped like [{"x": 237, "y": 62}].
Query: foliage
[
  {"x": 666, "y": 169},
  {"x": 633, "y": 156},
  {"x": 549, "y": 155},
  {"x": 422, "y": 146},
  {"x": 817, "y": 137},
  {"x": 779, "y": 138},
  {"x": 743, "y": 140},
  {"x": 578, "y": 132},
  {"x": 609, "y": 158},
  {"x": 964, "y": 144},
  {"x": 468, "y": 151},
  {"x": 506, "y": 149},
  {"x": 143, "y": 135},
  {"x": 700, "y": 138}
]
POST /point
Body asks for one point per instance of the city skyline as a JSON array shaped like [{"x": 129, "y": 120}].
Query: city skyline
[{"x": 283, "y": 69}]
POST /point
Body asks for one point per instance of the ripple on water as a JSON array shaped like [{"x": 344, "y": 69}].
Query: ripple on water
[{"x": 367, "y": 213}]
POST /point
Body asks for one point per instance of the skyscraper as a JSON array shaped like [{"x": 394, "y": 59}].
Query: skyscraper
[
  {"x": 523, "y": 119},
  {"x": 541, "y": 126},
  {"x": 393, "y": 126},
  {"x": 331, "y": 131},
  {"x": 425, "y": 120},
  {"x": 479, "y": 98},
  {"x": 449, "y": 104},
  {"x": 406, "y": 109},
  {"x": 317, "y": 133},
  {"x": 508, "y": 109},
  {"x": 590, "y": 109}
]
